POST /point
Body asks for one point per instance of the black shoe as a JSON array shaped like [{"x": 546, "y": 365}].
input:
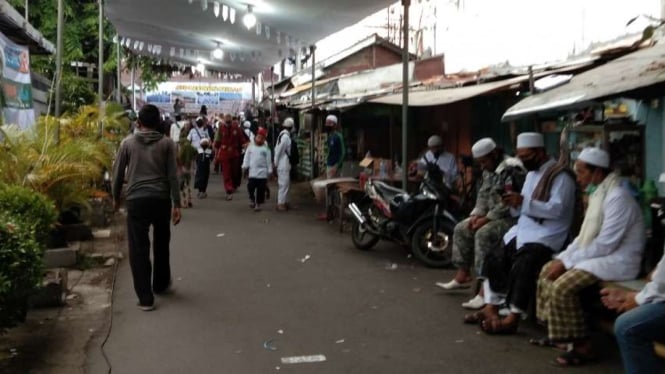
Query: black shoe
[
  {"x": 166, "y": 290},
  {"x": 146, "y": 308}
]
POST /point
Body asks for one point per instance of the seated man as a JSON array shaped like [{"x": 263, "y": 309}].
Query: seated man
[
  {"x": 608, "y": 247},
  {"x": 490, "y": 218},
  {"x": 642, "y": 322},
  {"x": 546, "y": 211},
  {"x": 437, "y": 156}
]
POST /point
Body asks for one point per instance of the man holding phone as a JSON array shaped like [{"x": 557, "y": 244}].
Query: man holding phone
[{"x": 148, "y": 159}]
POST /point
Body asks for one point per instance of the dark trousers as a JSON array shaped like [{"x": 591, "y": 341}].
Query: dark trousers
[
  {"x": 202, "y": 174},
  {"x": 141, "y": 214},
  {"x": 514, "y": 272},
  {"x": 237, "y": 172},
  {"x": 257, "y": 190}
]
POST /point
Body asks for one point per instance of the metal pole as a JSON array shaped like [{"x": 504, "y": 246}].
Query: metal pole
[
  {"x": 273, "y": 107},
  {"x": 118, "y": 95},
  {"x": 26, "y": 11},
  {"x": 253, "y": 91},
  {"x": 100, "y": 67},
  {"x": 134, "y": 85},
  {"x": 405, "y": 92},
  {"x": 312, "y": 146},
  {"x": 58, "y": 70}
]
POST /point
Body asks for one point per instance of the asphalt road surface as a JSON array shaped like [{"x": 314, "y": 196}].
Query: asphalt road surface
[{"x": 251, "y": 289}]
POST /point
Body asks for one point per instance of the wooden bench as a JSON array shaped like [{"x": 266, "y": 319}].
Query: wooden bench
[{"x": 607, "y": 324}]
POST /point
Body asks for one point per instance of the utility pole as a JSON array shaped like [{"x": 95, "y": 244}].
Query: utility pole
[
  {"x": 662, "y": 9},
  {"x": 405, "y": 92},
  {"x": 58, "y": 70},
  {"x": 118, "y": 96},
  {"x": 100, "y": 68}
]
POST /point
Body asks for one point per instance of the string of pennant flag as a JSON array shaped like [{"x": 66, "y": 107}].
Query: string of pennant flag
[{"x": 227, "y": 14}]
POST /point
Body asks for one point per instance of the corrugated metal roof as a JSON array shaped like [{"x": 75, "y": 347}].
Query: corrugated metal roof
[
  {"x": 634, "y": 71},
  {"x": 448, "y": 95}
]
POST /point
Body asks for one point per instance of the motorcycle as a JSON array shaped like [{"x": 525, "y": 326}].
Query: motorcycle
[{"x": 420, "y": 222}]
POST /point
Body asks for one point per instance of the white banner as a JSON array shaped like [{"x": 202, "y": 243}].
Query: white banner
[
  {"x": 17, "y": 106},
  {"x": 217, "y": 97}
]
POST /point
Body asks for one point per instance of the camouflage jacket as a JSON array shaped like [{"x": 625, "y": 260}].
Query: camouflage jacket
[{"x": 489, "y": 202}]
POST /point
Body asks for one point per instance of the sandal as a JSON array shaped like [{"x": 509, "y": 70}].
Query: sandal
[
  {"x": 474, "y": 318},
  {"x": 495, "y": 326},
  {"x": 546, "y": 342},
  {"x": 573, "y": 358}
]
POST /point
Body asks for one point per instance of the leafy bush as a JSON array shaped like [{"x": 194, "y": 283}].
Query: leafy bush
[
  {"x": 34, "y": 209},
  {"x": 21, "y": 268}
]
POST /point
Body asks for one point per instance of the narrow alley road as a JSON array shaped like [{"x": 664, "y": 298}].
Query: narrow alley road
[{"x": 253, "y": 288}]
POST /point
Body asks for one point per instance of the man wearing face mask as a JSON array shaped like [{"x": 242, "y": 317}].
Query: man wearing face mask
[
  {"x": 545, "y": 208},
  {"x": 608, "y": 247}
]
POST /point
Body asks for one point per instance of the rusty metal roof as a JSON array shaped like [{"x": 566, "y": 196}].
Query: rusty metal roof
[{"x": 623, "y": 76}]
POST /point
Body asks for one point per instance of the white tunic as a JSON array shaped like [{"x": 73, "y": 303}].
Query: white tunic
[
  {"x": 654, "y": 291},
  {"x": 282, "y": 149},
  {"x": 547, "y": 223},
  {"x": 258, "y": 161},
  {"x": 616, "y": 253},
  {"x": 446, "y": 162}
]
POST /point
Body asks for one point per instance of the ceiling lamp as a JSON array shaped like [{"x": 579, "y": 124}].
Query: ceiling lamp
[
  {"x": 215, "y": 8},
  {"x": 218, "y": 53},
  {"x": 249, "y": 19}
]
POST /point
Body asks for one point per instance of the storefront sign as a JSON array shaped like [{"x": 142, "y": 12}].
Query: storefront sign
[{"x": 217, "y": 97}]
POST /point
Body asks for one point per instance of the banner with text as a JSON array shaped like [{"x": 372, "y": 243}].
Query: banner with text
[
  {"x": 217, "y": 97},
  {"x": 17, "y": 106}
]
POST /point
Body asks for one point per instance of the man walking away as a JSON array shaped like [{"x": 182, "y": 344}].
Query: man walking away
[
  {"x": 148, "y": 159},
  {"x": 283, "y": 164}
]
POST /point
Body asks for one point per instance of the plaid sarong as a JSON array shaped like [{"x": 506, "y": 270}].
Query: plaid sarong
[{"x": 558, "y": 304}]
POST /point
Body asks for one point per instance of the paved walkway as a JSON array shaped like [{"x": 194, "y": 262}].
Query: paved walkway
[{"x": 253, "y": 288}]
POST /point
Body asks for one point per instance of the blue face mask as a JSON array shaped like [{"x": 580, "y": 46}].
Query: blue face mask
[{"x": 591, "y": 188}]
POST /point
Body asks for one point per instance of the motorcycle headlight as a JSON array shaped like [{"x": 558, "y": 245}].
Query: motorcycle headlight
[{"x": 429, "y": 194}]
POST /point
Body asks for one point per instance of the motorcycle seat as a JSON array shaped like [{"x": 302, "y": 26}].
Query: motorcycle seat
[{"x": 387, "y": 191}]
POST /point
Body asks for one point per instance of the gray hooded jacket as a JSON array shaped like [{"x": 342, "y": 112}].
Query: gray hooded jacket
[{"x": 148, "y": 159}]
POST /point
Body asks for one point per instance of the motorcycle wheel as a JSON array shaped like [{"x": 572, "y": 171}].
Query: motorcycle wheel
[
  {"x": 362, "y": 239},
  {"x": 433, "y": 249}
]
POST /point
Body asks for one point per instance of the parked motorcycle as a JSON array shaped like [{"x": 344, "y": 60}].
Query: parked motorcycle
[{"x": 420, "y": 222}]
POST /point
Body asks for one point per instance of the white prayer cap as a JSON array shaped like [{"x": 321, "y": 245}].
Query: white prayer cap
[
  {"x": 434, "y": 141},
  {"x": 595, "y": 157},
  {"x": 331, "y": 118},
  {"x": 530, "y": 140},
  {"x": 483, "y": 147},
  {"x": 246, "y": 124},
  {"x": 288, "y": 123},
  {"x": 205, "y": 140}
]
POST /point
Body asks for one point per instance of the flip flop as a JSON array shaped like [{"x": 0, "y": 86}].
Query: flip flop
[
  {"x": 573, "y": 358},
  {"x": 546, "y": 342},
  {"x": 474, "y": 318},
  {"x": 493, "y": 326}
]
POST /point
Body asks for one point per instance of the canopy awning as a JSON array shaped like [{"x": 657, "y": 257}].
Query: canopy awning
[
  {"x": 636, "y": 71},
  {"x": 187, "y": 31}
]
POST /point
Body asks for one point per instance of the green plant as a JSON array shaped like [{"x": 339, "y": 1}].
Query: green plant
[
  {"x": 21, "y": 268},
  {"x": 35, "y": 210}
]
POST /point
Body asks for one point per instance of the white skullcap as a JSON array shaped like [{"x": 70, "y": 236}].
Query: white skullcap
[
  {"x": 331, "y": 118},
  {"x": 205, "y": 140},
  {"x": 247, "y": 124},
  {"x": 288, "y": 123},
  {"x": 595, "y": 157},
  {"x": 483, "y": 147},
  {"x": 530, "y": 140},
  {"x": 434, "y": 141}
]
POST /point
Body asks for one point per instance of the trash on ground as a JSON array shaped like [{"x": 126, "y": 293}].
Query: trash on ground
[
  {"x": 305, "y": 259},
  {"x": 392, "y": 266},
  {"x": 268, "y": 345},
  {"x": 409, "y": 255},
  {"x": 416, "y": 290},
  {"x": 110, "y": 262},
  {"x": 339, "y": 341},
  {"x": 459, "y": 341},
  {"x": 277, "y": 367},
  {"x": 303, "y": 359},
  {"x": 268, "y": 285},
  {"x": 220, "y": 235},
  {"x": 281, "y": 332},
  {"x": 179, "y": 278}
]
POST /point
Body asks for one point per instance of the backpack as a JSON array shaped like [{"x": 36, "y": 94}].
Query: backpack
[{"x": 293, "y": 153}]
